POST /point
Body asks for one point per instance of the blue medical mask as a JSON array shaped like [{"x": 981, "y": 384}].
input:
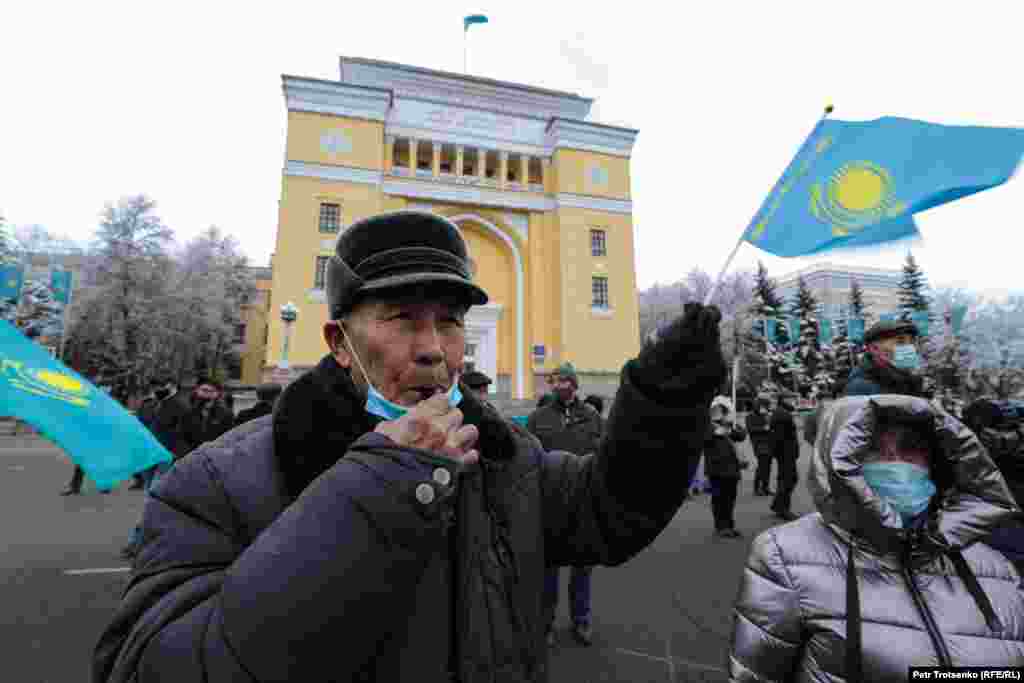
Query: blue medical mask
[
  {"x": 905, "y": 357},
  {"x": 907, "y": 487},
  {"x": 377, "y": 405}
]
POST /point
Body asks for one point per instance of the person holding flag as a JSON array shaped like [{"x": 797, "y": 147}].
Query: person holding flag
[{"x": 385, "y": 524}]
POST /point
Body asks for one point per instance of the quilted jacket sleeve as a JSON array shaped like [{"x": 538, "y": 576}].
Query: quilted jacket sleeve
[
  {"x": 605, "y": 508},
  {"x": 766, "y": 638},
  {"x": 306, "y": 600}
]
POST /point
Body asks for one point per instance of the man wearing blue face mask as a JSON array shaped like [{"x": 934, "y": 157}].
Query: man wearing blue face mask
[
  {"x": 891, "y": 364},
  {"x": 384, "y": 523}
]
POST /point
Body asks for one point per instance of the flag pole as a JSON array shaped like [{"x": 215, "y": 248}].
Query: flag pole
[
  {"x": 739, "y": 242},
  {"x": 64, "y": 325}
]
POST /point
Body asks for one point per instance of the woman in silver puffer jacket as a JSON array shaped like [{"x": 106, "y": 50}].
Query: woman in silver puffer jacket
[{"x": 849, "y": 593}]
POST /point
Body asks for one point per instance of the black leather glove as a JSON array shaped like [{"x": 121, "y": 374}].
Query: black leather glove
[{"x": 687, "y": 357}]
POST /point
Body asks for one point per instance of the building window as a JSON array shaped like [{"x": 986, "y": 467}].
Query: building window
[
  {"x": 470, "y": 159},
  {"x": 515, "y": 169},
  {"x": 492, "y": 164},
  {"x": 320, "y": 280},
  {"x": 598, "y": 243},
  {"x": 425, "y": 156},
  {"x": 448, "y": 156},
  {"x": 400, "y": 154},
  {"x": 266, "y": 335},
  {"x": 330, "y": 217},
  {"x": 599, "y": 289},
  {"x": 536, "y": 171}
]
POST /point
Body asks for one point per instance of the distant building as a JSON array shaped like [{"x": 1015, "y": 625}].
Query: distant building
[
  {"x": 251, "y": 335},
  {"x": 830, "y": 283}
]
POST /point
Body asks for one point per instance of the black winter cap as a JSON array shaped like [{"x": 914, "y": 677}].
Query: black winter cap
[
  {"x": 398, "y": 249},
  {"x": 476, "y": 380}
]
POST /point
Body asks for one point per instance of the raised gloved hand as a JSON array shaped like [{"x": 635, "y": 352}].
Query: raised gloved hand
[{"x": 687, "y": 357}]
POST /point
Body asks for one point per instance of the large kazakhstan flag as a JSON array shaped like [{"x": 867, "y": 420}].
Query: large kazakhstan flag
[
  {"x": 856, "y": 183},
  {"x": 100, "y": 436}
]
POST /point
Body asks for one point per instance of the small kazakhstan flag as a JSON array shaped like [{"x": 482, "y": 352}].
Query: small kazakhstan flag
[
  {"x": 100, "y": 436},
  {"x": 857, "y": 183},
  {"x": 60, "y": 283},
  {"x": 12, "y": 276},
  {"x": 473, "y": 19}
]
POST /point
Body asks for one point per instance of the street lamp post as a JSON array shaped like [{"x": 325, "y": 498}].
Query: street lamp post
[{"x": 289, "y": 314}]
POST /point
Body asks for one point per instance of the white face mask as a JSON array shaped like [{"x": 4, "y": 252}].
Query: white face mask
[{"x": 377, "y": 405}]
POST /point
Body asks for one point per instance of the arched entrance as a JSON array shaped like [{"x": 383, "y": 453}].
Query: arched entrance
[{"x": 482, "y": 321}]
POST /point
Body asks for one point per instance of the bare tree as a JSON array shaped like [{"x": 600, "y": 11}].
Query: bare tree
[{"x": 214, "y": 285}]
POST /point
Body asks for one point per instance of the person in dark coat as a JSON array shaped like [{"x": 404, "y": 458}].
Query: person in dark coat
[
  {"x": 208, "y": 417},
  {"x": 891, "y": 362},
  {"x": 568, "y": 424},
  {"x": 147, "y": 416},
  {"x": 266, "y": 394},
  {"x": 596, "y": 402},
  {"x": 722, "y": 466},
  {"x": 1004, "y": 440},
  {"x": 786, "y": 452},
  {"x": 384, "y": 524},
  {"x": 759, "y": 427},
  {"x": 169, "y": 421}
]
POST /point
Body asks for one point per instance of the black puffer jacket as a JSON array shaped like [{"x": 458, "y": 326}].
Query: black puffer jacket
[
  {"x": 762, "y": 438},
  {"x": 848, "y": 594},
  {"x": 303, "y": 547},
  {"x": 786, "y": 444}
]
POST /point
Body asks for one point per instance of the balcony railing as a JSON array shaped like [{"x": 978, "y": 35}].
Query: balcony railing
[{"x": 471, "y": 180}]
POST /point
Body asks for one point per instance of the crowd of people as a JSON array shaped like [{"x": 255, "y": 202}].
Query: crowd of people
[{"x": 388, "y": 524}]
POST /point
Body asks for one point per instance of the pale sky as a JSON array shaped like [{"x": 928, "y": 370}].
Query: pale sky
[{"x": 182, "y": 100}]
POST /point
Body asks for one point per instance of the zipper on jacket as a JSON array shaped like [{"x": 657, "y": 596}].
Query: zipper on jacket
[{"x": 926, "y": 615}]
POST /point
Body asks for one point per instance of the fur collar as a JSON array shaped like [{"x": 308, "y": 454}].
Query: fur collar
[{"x": 320, "y": 414}]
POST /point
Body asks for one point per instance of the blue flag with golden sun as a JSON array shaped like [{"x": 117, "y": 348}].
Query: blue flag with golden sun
[
  {"x": 857, "y": 183},
  {"x": 99, "y": 435}
]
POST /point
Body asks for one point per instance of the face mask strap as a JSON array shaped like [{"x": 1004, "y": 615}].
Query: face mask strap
[{"x": 351, "y": 349}]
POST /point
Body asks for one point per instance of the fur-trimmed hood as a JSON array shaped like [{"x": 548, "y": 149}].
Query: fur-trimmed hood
[{"x": 320, "y": 414}]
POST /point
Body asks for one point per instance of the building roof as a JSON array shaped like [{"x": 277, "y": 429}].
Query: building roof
[
  {"x": 453, "y": 76},
  {"x": 830, "y": 268},
  {"x": 260, "y": 272}
]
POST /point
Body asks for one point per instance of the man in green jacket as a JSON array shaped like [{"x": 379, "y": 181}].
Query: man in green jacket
[{"x": 568, "y": 424}]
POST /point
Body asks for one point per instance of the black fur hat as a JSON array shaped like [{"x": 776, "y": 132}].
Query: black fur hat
[{"x": 398, "y": 249}]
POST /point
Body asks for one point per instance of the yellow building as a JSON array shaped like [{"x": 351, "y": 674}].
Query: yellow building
[
  {"x": 253, "y": 332},
  {"x": 541, "y": 195}
]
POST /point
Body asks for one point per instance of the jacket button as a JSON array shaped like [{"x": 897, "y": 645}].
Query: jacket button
[
  {"x": 425, "y": 494},
  {"x": 442, "y": 476}
]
